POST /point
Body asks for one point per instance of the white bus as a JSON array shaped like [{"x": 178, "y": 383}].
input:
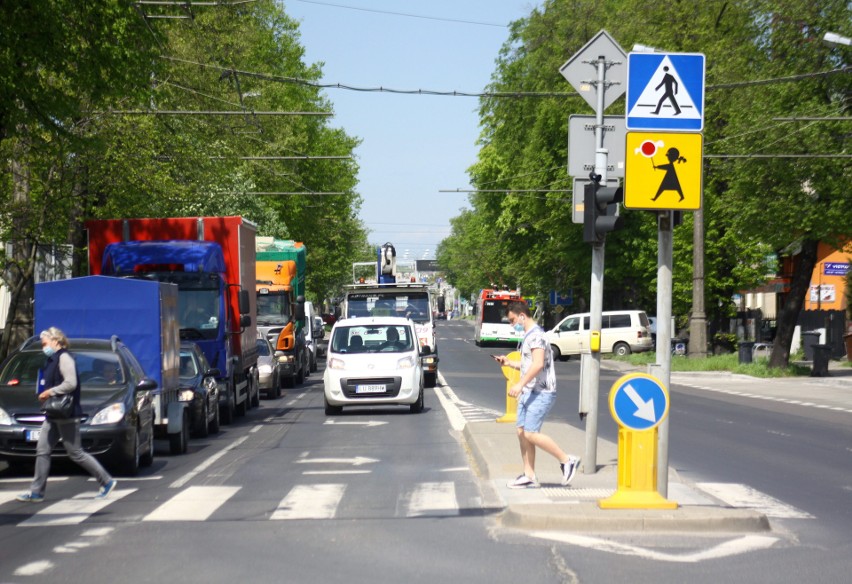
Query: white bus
[{"x": 492, "y": 326}]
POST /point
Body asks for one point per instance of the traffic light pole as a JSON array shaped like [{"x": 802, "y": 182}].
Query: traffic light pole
[{"x": 591, "y": 372}]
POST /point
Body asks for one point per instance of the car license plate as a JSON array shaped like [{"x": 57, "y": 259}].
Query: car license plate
[
  {"x": 32, "y": 435},
  {"x": 371, "y": 388}
]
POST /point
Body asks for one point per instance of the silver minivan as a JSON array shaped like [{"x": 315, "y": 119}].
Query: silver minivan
[{"x": 622, "y": 332}]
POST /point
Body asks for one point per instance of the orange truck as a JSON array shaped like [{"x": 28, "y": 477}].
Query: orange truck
[{"x": 280, "y": 287}]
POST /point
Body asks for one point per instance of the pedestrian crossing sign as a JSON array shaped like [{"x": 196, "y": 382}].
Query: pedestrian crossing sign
[
  {"x": 662, "y": 171},
  {"x": 665, "y": 92}
]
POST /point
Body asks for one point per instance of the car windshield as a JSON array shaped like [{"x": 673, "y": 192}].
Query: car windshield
[
  {"x": 404, "y": 303},
  {"x": 263, "y": 348},
  {"x": 188, "y": 365},
  {"x": 373, "y": 339},
  {"x": 97, "y": 370}
]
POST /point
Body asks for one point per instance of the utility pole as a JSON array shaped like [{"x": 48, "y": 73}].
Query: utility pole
[{"x": 698, "y": 321}]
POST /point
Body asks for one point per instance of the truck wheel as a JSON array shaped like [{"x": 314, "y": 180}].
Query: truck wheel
[
  {"x": 179, "y": 440},
  {"x": 430, "y": 379},
  {"x": 226, "y": 412},
  {"x": 300, "y": 377},
  {"x": 242, "y": 408}
]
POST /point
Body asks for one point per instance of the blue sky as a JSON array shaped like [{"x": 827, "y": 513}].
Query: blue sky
[{"x": 413, "y": 145}]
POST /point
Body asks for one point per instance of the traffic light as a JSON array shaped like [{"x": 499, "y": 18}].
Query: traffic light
[{"x": 600, "y": 208}]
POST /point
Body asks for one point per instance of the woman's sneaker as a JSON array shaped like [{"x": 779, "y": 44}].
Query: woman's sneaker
[
  {"x": 523, "y": 482},
  {"x": 30, "y": 497}
]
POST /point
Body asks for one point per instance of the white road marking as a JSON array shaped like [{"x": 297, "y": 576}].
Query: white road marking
[
  {"x": 433, "y": 499},
  {"x": 73, "y": 511},
  {"x": 455, "y": 469},
  {"x": 310, "y": 502},
  {"x": 336, "y": 472},
  {"x": 256, "y": 428},
  {"x": 744, "y": 497},
  {"x": 369, "y": 424},
  {"x": 192, "y": 504},
  {"x": 97, "y": 532},
  {"x": 795, "y": 402},
  {"x": 30, "y": 479},
  {"x": 34, "y": 568},
  {"x": 742, "y": 545},
  {"x": 206, "y": 464},
  {"x": 354, "y": 461}
]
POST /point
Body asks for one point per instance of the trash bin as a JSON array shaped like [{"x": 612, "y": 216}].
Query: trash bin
[
  {"x": 822, "y": 354},
  {"x": 809, "y": 340},
  {"x": 746, "y": 348}
]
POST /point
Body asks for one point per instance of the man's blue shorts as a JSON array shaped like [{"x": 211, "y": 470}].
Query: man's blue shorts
[{"x": 532, "y": 408}]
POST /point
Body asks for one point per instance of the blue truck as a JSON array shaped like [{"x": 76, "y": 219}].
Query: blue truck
[
  {"x": 212, "y": 262},
  {"x": 144, "y": 316}
]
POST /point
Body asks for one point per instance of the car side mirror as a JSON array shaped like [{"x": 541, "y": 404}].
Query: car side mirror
[{"x": 146, "y": 384}]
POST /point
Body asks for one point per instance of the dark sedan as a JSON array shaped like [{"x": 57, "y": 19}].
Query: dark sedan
[
  {"x": 199, "y": 389},
  {"x": 116, "y": 397}
]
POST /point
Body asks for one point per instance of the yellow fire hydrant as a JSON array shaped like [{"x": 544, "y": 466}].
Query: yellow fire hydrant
[{"x": 512, "y": 377}]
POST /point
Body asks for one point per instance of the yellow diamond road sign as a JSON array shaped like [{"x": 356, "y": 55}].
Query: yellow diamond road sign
[{"x": 662, "y": 171}]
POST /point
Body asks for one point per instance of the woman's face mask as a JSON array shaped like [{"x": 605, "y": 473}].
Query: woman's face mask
[{"x": 48, "y": 350}]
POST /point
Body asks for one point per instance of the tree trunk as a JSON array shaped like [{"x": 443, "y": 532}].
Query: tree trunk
[{"x": 799, "y": 286}]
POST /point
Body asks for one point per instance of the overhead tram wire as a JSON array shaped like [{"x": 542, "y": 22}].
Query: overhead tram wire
[{"x": 499, "y": 94}]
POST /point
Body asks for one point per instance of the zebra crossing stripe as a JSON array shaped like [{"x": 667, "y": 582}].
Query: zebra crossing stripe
[
  {"x": 192, "y": 504},
  {"x": 318, "y": 501},
  {"x": 73, "y": 511},
  {"x": 433, "y": 499},
  {"x": 744, "y": 497}
]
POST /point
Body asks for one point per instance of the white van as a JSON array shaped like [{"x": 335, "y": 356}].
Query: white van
[{"x": 622, "y": 332}]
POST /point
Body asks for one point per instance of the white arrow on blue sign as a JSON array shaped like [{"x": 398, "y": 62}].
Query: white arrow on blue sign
[
  {"x": 639, "y": 401},
  {"x": 665, "y": 92}
]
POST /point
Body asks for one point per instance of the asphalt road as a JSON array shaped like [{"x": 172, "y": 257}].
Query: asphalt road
[
  {"x": 378, "y": 494},
  {"x": 798, "y": 457}
]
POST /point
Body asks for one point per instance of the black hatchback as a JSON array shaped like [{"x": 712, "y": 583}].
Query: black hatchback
[
  {"x": 116, "y": 397},
  {"x": 198, "y": 388}
]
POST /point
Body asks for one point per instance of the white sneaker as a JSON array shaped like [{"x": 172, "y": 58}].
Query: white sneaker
[
  {"x": 523, "y": 482},
  {"x": 569, "y": 469}
]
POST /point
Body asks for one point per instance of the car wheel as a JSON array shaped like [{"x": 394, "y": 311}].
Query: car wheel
[
  {"x": 331, "y": 410},
  {"x": 621, "y": 349},
  {"x": 213, "y": 426},
  {"x": 147, "y": 459},
  {"x": 314, "y": 365},
  {"x": 300, "y": 376},
  {"x": 255, "y": 402},
  {"x": 276, "y": 387},
  {"x": 179, "y": 441},
  {"x": 417, "y": 406},
  {"x": 557, "y": 354},
  {"x": 130, "y": 465},
  {"x": 203, "y": 427}
]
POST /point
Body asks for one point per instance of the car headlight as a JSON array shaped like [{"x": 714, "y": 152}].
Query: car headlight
[
  {"x": 405, "y": 363},
  {"x": 5, "y": 419},
  {"x": 335, "y": 363},
  {"x": 112, "y": 414},
  {"x": 286, "y": 358},
  {"x": 265, "y": 369},
  {"x": 186, "y": 395}
]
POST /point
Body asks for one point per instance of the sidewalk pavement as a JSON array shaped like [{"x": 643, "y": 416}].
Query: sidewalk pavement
[{"x": 496, "y": 455}]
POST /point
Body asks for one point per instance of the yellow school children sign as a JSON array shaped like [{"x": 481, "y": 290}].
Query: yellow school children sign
[{"x": 662, "y": 171}]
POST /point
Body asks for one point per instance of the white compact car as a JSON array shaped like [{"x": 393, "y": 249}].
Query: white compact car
[{"x": 373, "y": 361}]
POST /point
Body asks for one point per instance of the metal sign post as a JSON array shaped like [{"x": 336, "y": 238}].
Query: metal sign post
[{"x": 602, "y": 53}]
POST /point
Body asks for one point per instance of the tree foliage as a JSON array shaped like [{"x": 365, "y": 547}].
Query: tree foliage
[
  {"x": 764, "y": 62},
  {"x": 91, "y": 139}
]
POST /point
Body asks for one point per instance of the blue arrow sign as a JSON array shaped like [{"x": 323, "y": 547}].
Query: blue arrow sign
[
  {"x": 665, "y": 92},
  {"x": 638, "y": 401}
]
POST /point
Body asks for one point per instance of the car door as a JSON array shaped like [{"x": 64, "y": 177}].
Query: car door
[{"x": 567, "y": 336}]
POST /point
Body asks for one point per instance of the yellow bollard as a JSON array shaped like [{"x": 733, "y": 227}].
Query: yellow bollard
[
  {"x": 632, "y": 401},
  {"x": 512, "y": 377}
]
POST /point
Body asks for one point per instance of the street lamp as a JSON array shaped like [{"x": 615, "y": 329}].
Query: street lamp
[{"x": 833, "y": 38}]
